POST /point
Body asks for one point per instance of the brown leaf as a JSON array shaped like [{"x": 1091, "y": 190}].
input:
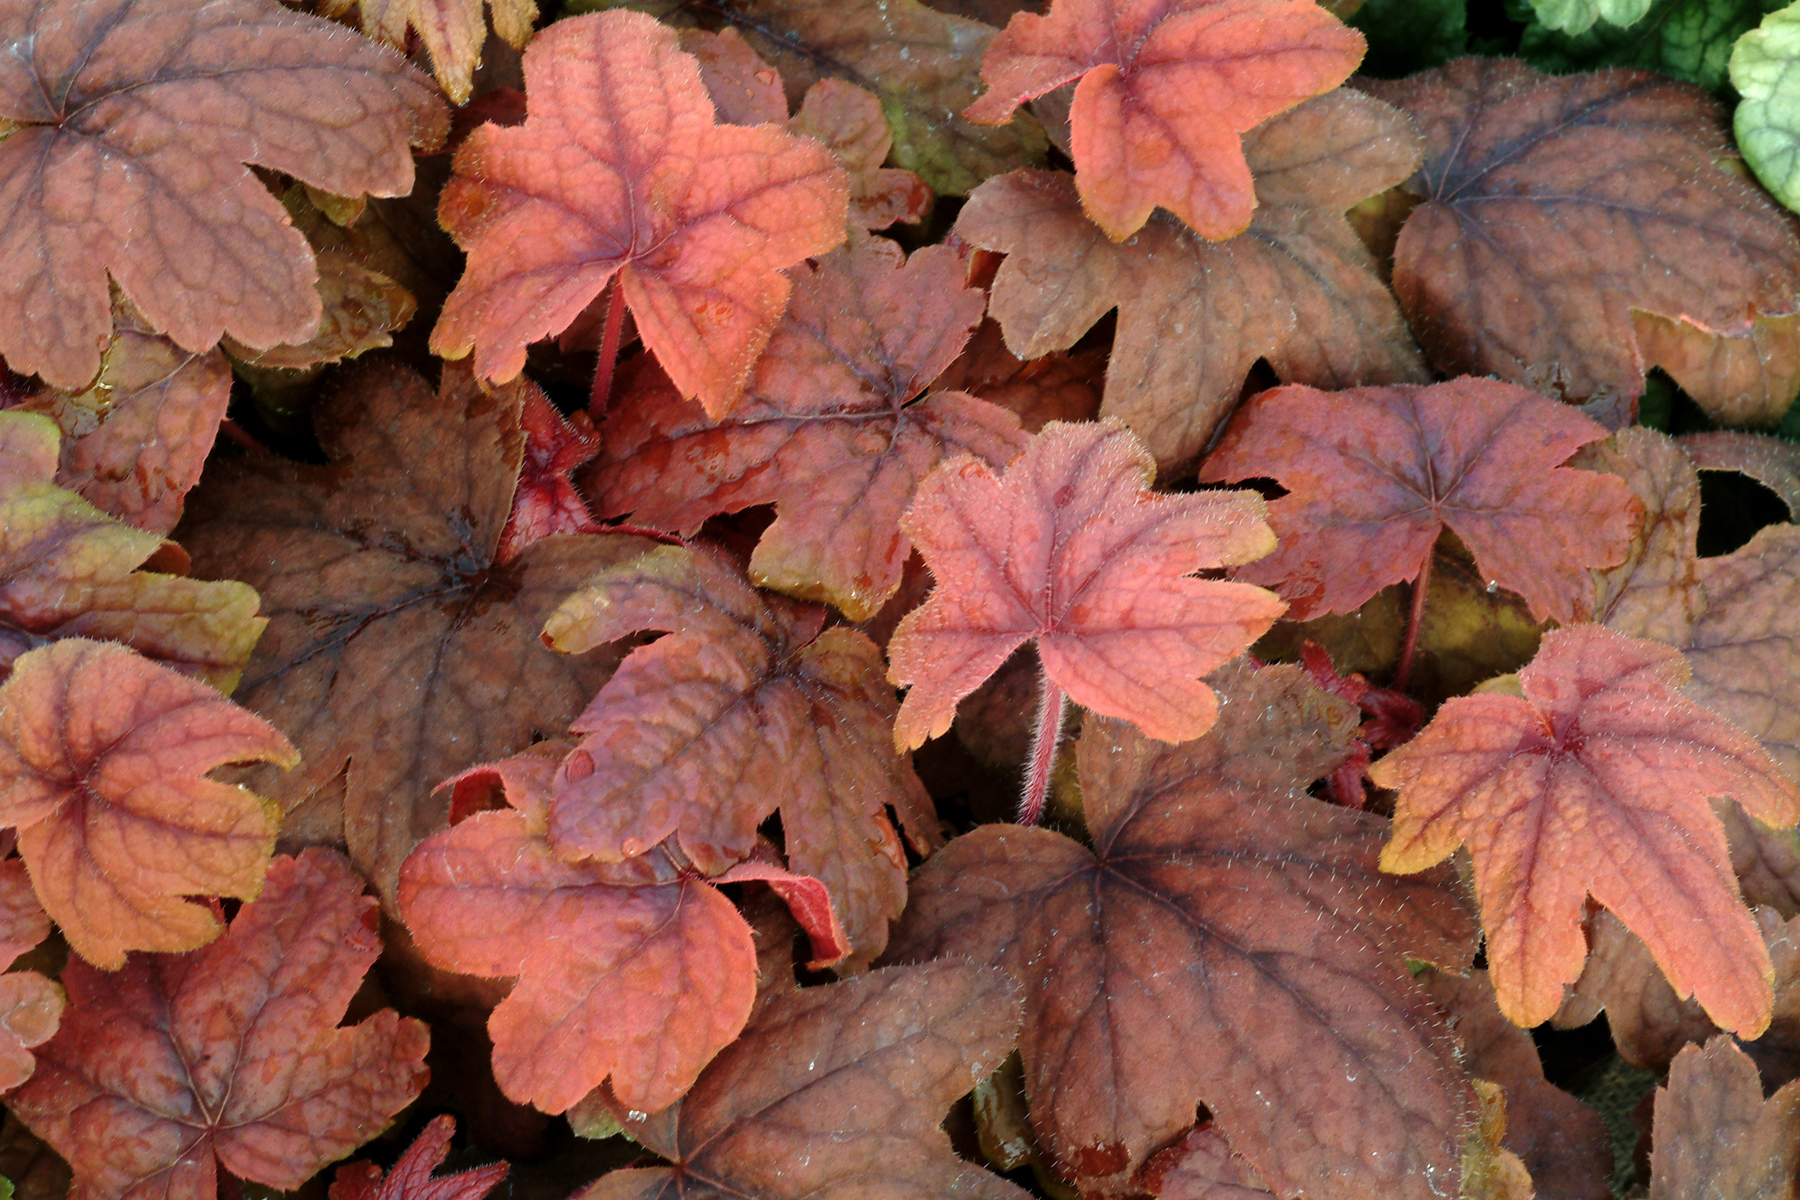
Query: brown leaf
[
  {"x": 1715, "y": 1135},
  {"x": 1771, "y": 461},
  {"x": 452, "y": 31},
  {"x": 1655, "y": 592},
  {"x": 31, "y": 1006},
  {"x": 1052, "y": 387},
  {"x": 1202, "y": 1166},
  {"x": 1298, "y": 288},
  {"x": 1748, "y": 379},
  {"x": 133, "y": 123},
  {"x": 1227, "y": 941},
  {"x": 849, "y": 120},
  {"x": 1554, "y": 206},
  {"x": 361, "y": 309},
  {"x": 396, "y": 644},
  {"x": 835, "y": 1091},
  {"x": 1745, "y": 649}
]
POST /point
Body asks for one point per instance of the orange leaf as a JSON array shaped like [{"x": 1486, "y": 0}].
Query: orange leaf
[
  {"x": 103, "y": 761},
  {"x": 1070, "y": 548},
  {"x": 231, "y": 1056},
  {"x": 1165, "y": 92},
  {"x": 1375, "y": 474},
  {"x": 620, "y": 169},
  {"x": 412, "y": 1179},
  {"x": 1595, "y": 781},
  {"x": 134, "y": 123},
  {"x": 452, "y": 31},
  {"x": 836, "y": 429}
]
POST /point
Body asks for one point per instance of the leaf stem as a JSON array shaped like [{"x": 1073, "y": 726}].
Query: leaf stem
[
  {"x": 609, "y": 351},
  {"x": 1414, "y": 620},
  {"x": 1045, "y": 735}
]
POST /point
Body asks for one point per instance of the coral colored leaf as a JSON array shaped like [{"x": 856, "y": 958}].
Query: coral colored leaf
[
  {"x": 231, "y": 1056},
  {"x": 620, "y": 170},
  {"x": 1552, "y": 207},
  {"x": 1228, "y": 940},
  {"x": 546, "y": 501},
  {"x": 412, "y": 1179},
  {"x": 133, "y": 122},
  {"x": 1069, "y": 548},
  {"x": 834, "y": 1091},
  {"x": 398, "y": 645},
  {"x": 1297, "y": 289},
  {"x": 452, "y": 31},
  {"x": 849, "y": 120},
  {"x": 631, "y": 971},
  {"x": 69, "y": 570},
  {"x": 1715, "y": 1134},
  {"x": 103, "y": 762},
  {"x": 744, "y": 708},
  {"x": 744, "y": 89},
  {"x": 836, "y": 428},
  {"x": 1165, "y": 92},
  {"x": 30, "y": 1005},
  {"x": 1374, "y": 475},
  {"x": 1595, "y": 781},
  {"x": 135, "y": 441}
]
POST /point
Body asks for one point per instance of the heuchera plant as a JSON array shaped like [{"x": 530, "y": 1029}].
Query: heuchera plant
[{"x": 841, "y": 598}]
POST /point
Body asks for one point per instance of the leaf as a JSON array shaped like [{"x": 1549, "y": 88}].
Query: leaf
[
  {"x": 397, "y": 644},
  {"x": 69, "y": 570},
  {"x": 1742, "y": 647},
  {"x": 745, "y": 707},
  {"x": 30, "y": 1005},
  {"x": 1744, "y": 380},
  {"x": 1374, "y": 475},
  {"x": 633, "y": 970},
  {"x": 849, "y": 121},
  {"x": 103, "y": 763},
  {"x": 1227, "y": 941},
  {"x": 1771, "y": 461},
  {"x": 744, "y": 89},
  {"x": 1715, "y": 1134},
  {"x": 836, "y": 428},
  {"x": 1202, "y": 1166},
  {"x": 452, "y": 31},
  {"x": 546, "y": 501},
  {"x": 620, "y": 170},
  {"x": 230, "y": 1056},
  {"x": 1552, "y": 208},
  {"x": 1297, "y": 289},
  {"x": 835, "y": 1091},
  {"x": 1688, "y": 39},
  {"x": 1655, "y": 592},
  {"x": 1595, "y": 782},
  {"x": 361, "y": 309},
  {"x": 133, "y": 123},
  {"x": 1767, "y": 121},
  {"x": 1165, "y": 92},
  {"x": 411, "y": 1177},
  {"x": 134, "y": 442},
  {"x": 1069, "y": 548},
  {"x": 1576, "y": 16}
]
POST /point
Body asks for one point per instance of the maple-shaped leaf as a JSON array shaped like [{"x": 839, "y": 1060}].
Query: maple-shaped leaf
[
  {"x": 546, "y": 501},
  {"x": 1552, "y": 207},
  {"x": 1228, "y": 940},
  {"x": 231, "y": 1056},
  {"x": 452, "y": 31},
  {"x": 103, "y": 762},
  {"x": 30, "y": 1005},
  {"x": 411, "y": 1177},
  {"x": 836, "y": 428},
  {"x": 849, "y": 121},
  {"x": 1714, "y": 1133},
  {"x": 1374, "y": 475},
  {"x": 398, "y": 644},
  {"x": 1165, "y": 93},
  {"x": 1595, "y": 780},
  {"x": 834, "y": 1091},
  {"x": 69, "y": 570},
  {"x": 619, "y": 169},
  {"x": 135, "y": 440},
  {"x": 745, "y": 708},
  {"x": 132, "y": 125},
  {"x": 1298, "y": 289},
  {"x": 1069, "y": 548}
]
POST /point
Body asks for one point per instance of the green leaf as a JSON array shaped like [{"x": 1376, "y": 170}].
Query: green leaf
[
  {"x": 1577, "y": 16},
  {"x": 1765, "y": 69},
  {"x": 1688, "y": 39},
  {"x": 1408, "y": 36}
]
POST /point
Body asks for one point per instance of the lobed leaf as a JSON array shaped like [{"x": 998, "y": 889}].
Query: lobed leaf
[
  {"x": 1714, "y": 1133},
  {"x": 451, "y": 31},
  {"x": 411, "y": 1177},
  {"x": 1767, "y": 121}
]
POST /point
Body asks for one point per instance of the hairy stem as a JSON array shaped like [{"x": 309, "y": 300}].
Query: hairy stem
[
  {"x": 609, "y": 351},
  {"x": 1414, "y": 619},
  {"x": 1044, "y": 738}
]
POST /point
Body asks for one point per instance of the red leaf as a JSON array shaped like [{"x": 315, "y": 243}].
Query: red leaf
[
  {"x": 546, "y": 501},
  {"x": 1165, "y": 92},
  {"x": 620, "y": 170},
  {"x": 230, "y": 1056},
  {"x": 103, "y": 762},
  {"x": 1227, "y": 940},
  {"x": 835, "y": 430},
  {"x": 1375, "y": 474},
  {"x": 1594, "y": 781},
  {"x": 411, "y": 1178},
  {"x": 147, "y": 113},
  {"x": 834, "y": 1091},
  {"x": 30, "y": 1005},
  {"x": 1069, "y": 548}
]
